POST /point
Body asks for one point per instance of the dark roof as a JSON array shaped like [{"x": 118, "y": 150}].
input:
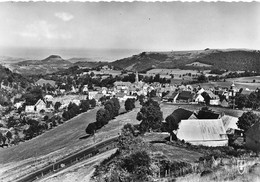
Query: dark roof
[
  {"x": 185, "y": 95},
  {"x": 180, "y": 114},
  {"x": 207, "y": 114},
  {"x": 170, "y": 95}
]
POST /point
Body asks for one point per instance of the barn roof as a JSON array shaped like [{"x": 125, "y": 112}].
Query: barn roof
[
  {"x": 229, "y": 122},
  {"x": 180, "y": 114},
  {"x": 201, "y": 130},
  {"x": 185, "y": 95}
]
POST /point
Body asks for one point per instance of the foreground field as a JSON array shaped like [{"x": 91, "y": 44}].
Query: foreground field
[
  {"x": 65, "y": 139},
  {"x": 81, "y": 171}
]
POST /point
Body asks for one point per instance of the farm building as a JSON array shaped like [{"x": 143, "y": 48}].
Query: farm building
[
  {"x": 207, "y": 132},
  {"x": 185, "y": 96},
  {"x": 253, "y": 137}
]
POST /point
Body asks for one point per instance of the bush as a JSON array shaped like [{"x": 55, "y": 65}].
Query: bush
[{"x": 136, "y": 160}]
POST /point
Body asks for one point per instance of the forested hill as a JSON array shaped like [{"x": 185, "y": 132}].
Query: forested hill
[
  {"x": 10, "y": 78},
  {"x": 231, "y": 59}
]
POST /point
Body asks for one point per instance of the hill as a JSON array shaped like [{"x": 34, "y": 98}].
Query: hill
[
  {"x": 50, "y": 64},
  {"x": 231, "y": 59}
]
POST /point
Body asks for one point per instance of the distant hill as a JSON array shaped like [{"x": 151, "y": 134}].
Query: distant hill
[
  {"x": 50, "y": 64},
  {"x": 231, "y": 59},
  {"x": 51, "y": 60}
]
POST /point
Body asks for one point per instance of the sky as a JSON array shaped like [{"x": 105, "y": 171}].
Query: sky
[{"x": 135, "y": 25}]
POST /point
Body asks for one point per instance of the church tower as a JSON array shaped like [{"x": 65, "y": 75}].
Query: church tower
[{"x": 136, "y": 77}]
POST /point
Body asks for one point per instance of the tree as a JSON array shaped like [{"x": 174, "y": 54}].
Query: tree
[
  {"x": 241, "y": 101},
  {"x": 9, "y": 135},
  {"x": 102, "y": 117},
  {"x": 91, "y": 128},
  {"x": 66, "y": 115},
  {"x": 141, "y": 99},
  {"x": 57, "y": 105},
  {"x": 247, "y": 120},
  {"x": 84, "y": 105},
  {"x": 202, "y": 78},
  {"x": 109, "y": 105},
  {"x": 206, "y": 97},
  {"x": 150, "y": 116},
  {"x": 129, "y": 104},
  {"x": 92, "y": 103},
  {"x": 171, "y": 124},
  {"x": 116, "y": 106}
]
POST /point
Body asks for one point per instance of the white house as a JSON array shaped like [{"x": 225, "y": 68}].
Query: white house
[
  {"x": 198, "y": 98},
  {"x": 40, "y": 105},
  {"x": 92, "y": 94},
  {"x": 29, "y": 109}
]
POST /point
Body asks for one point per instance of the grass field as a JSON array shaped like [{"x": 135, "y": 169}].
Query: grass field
[
  {"x": 246, "y": 79},
  {"x": 57, "y": 143}
]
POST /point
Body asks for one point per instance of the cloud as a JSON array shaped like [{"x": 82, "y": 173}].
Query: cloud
[
  {"x": 64, "y": 16},
  {"x": 42, "y": 30}
]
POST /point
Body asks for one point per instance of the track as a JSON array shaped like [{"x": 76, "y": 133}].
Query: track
[{"x": 70, "y": 160}]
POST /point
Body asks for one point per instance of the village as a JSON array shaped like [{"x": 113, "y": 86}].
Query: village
[{"x": 47, "y": 103}]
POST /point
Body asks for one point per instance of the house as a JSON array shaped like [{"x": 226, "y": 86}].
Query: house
[
  {"x": 253, "y": 137},
  {"x": 48, "y": 98},
  {"x": 43, "y": 82},
  {"x": 171, "y": 97},
  {"x": 224, "y": 103},
  {"x": 92, "y": 94},
  {"x": 40, "y": 105},
  {"x": 199, "y": 98},
  {"x": 185, "y": 96},
  {"x": 122, "y": 85},
  {"x": 29, "y": 109},
  {"x": 207, "y": 132}
]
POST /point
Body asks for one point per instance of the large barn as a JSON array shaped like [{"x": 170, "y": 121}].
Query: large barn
[{"x": 207, "y": 132}]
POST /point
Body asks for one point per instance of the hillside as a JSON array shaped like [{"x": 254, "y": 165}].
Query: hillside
[
  {"x": 10, "y": 78},
  {"x": 230, "y": 59}
]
